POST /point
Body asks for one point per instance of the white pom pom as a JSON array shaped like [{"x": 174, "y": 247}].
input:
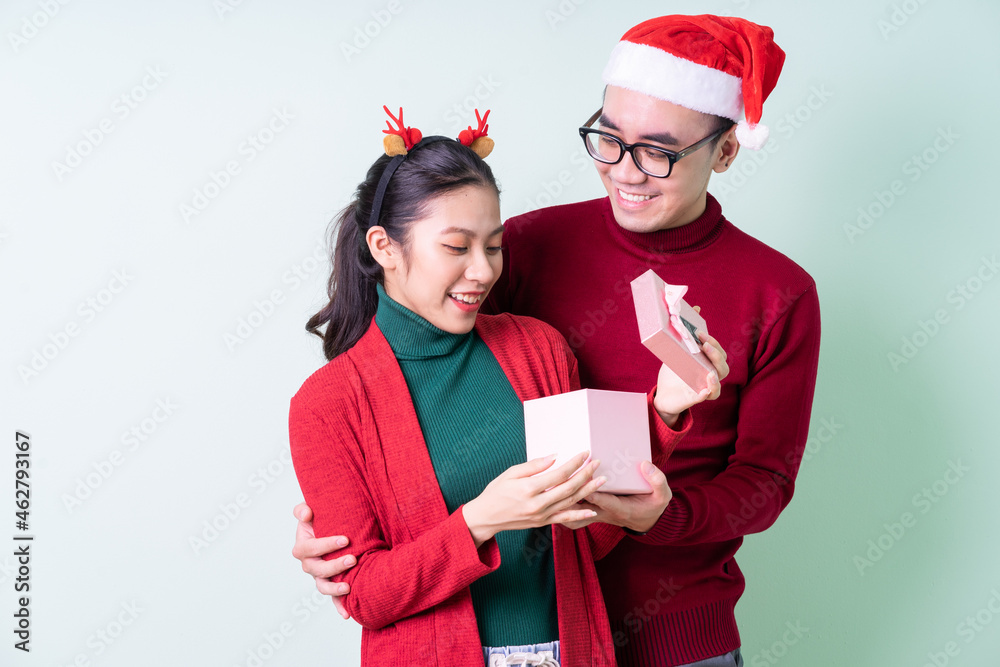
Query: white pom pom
[{"x": 752, "y": 136}]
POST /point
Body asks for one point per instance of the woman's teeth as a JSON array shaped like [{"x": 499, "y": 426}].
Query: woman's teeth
[
  {"x": 635, "y": 198},
  {"x": 465, "y": 298}
]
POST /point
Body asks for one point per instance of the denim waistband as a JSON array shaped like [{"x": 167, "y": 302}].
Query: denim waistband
[{"x": 731, "y": 659}]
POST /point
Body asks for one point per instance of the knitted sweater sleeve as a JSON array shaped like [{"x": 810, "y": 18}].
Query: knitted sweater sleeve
[
  {"x": 393, "y": 579},
  {"x": 773, "y": 418}
]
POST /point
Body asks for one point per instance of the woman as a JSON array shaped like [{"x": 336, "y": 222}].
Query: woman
[{"x": 411, "y": 440}]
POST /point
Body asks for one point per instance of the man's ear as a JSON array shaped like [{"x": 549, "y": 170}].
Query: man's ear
[
  {"x": 385, "y": 252},
  {"x": 726, "y": 150}
]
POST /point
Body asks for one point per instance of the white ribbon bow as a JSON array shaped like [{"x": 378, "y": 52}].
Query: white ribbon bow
[{"x": 673, "y": 294}]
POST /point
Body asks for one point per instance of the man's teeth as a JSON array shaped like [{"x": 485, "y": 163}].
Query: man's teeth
[
  {"x": 636, "y": 198},
  {"x": 465, "y": 298}
]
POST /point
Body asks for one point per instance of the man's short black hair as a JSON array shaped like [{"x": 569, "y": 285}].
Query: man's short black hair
[{"x": 721, "y": 125}]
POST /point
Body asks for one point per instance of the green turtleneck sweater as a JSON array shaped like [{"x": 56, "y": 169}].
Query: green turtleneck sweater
[{"x": 473, "y": 424}]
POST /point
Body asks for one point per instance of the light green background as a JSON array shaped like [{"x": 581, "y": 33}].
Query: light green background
[{"x": 879, "y": 96}]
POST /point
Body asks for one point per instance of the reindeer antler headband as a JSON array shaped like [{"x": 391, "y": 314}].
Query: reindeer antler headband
[{"x": 402, "y": 140}]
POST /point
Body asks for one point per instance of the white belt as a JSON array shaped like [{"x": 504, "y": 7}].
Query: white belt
[{"x": 542, "y": 659}]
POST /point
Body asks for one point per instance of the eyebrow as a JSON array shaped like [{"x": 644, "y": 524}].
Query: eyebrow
[
  {"x": 469, "y": 232},
  {"x": 659, "y": 137}
]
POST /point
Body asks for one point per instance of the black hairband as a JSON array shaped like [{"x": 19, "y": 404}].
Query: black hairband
[{"x": 383, "y": 182}]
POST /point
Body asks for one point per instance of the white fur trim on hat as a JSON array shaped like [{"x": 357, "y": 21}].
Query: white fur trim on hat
[{"x": 654, "y": 72}]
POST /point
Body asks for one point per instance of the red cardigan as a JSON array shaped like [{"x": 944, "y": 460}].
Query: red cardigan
[{"x": 364, "y": 470}]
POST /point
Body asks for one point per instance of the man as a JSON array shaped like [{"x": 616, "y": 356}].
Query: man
[{"x": 675, "y": 86}]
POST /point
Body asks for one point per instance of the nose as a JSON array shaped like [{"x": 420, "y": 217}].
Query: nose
[
  {"x": 480, "y": 268},
  {"x": 626, "y": 171}
]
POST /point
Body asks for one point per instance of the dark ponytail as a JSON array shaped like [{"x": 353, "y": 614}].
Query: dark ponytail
[{"x": 429, "y": 171}]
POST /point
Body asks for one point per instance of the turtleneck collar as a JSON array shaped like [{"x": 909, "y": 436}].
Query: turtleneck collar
[
  {"x": 695, "y": 235},
  {"x": 411, "y": 336}
]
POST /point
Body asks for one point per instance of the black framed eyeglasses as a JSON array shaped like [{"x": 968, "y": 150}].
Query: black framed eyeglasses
[{"x": 650, "y": 159}]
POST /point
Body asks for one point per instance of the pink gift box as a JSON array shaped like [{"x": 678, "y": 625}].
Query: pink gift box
[
  {"x": 612, "y": 425},
  {"x": 667, "y": 325}
]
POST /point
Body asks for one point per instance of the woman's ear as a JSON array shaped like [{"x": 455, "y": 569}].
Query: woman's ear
[{"x": 385, "y": 252}]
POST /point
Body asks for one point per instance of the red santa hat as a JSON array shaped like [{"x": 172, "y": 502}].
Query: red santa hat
[{"x": 714, "y": 64}]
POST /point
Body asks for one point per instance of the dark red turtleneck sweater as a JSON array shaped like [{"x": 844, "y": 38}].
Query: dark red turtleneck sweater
[{"x": 671, "y": 593}]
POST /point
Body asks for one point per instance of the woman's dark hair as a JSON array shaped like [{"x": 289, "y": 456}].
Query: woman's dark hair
[{"x": 428, "y": 171}]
